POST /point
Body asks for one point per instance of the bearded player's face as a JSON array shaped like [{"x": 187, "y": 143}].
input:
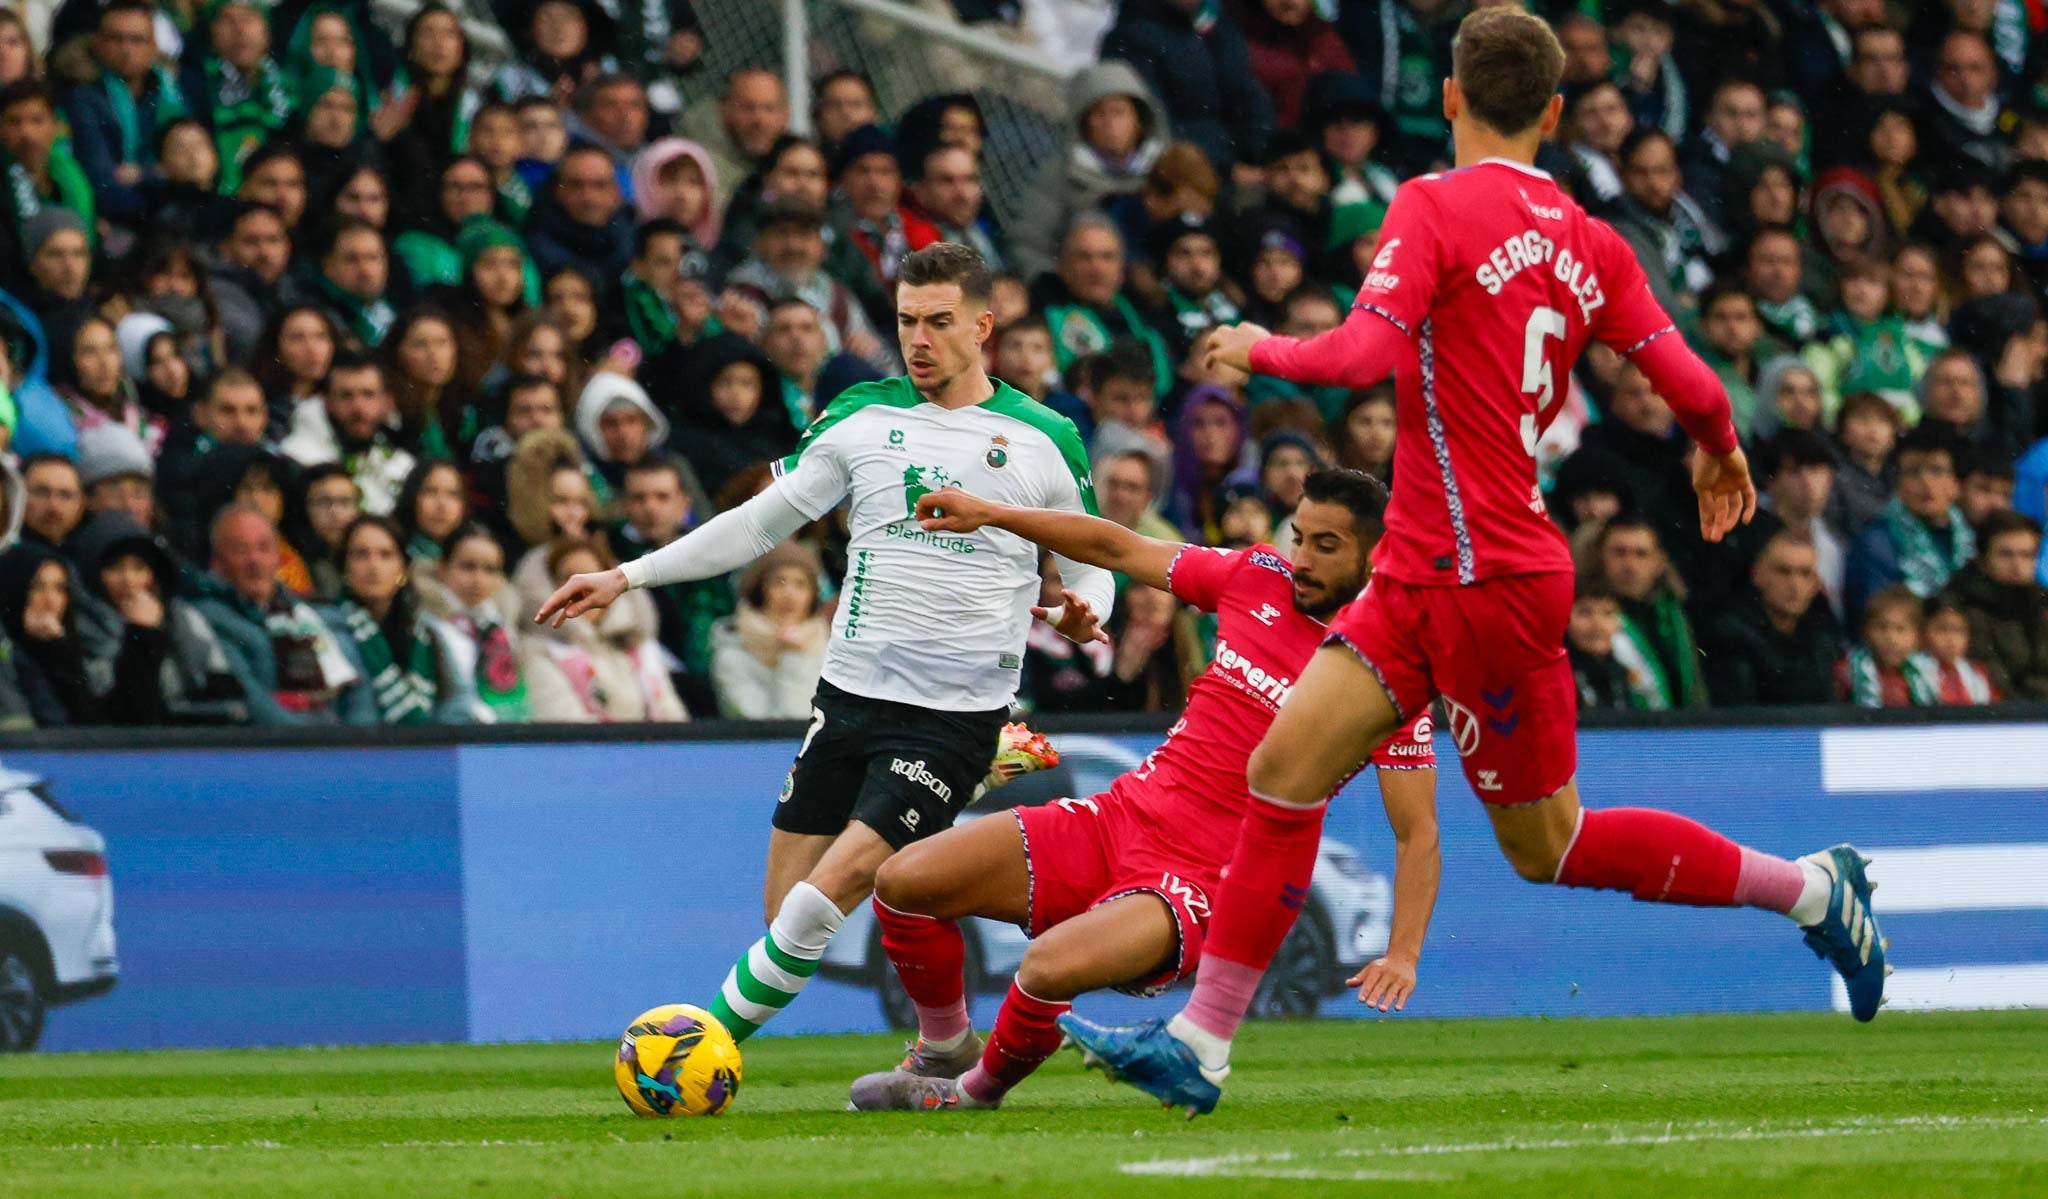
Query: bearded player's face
[
  {"x": 1329, "y": 560},
  {"x": 940, "y": 332}
]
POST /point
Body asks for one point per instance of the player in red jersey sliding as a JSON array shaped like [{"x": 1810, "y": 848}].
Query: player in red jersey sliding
[
  {"x": 1489, "y": 282},
  {"x": 1115, "y": 889}
]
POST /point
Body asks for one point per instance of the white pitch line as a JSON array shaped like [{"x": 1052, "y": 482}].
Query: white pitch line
[
  {"x": 87, "y": 1147},
  {"x": 1278, "y": 1165}
]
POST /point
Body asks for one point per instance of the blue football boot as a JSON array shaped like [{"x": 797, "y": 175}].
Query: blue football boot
[
  {"x": 1847, "y": 936},
  {"x": 1149, "y": 1058}
]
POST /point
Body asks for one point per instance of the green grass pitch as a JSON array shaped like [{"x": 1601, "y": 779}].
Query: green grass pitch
[{"x": 1914, "y": 1105}]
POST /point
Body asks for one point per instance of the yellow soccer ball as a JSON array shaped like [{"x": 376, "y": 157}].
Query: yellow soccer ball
[{"x": 677, "y": 1060}]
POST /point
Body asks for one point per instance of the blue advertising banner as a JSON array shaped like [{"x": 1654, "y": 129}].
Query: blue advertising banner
[{"x": 552, "y": 891}]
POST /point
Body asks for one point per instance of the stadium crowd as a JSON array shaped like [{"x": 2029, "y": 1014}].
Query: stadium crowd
[{"x": 325, "y": 358}]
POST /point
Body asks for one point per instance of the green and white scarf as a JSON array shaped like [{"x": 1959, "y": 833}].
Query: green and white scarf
[
  {"x": 170, "y": 106},
  {"x": 369, "y": 321},
  {"x": 515, "y": 199},
  {"x": 1653, "y": 687},
  {"x": 246, "y": 112},
  {"x": 67, "y": 178},
  {"x": 405, "y": 694},
  {"x": 1866, "y": 680},
  {"x": 1796, "y": 317},
  {"x": 1922, "y": 565}
]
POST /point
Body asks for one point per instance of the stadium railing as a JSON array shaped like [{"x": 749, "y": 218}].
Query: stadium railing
[{"x": 908, "y": 52}]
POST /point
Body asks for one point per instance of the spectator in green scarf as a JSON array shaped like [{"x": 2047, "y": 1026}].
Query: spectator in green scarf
[
  {"x": 355, "y": 275},
  {"x": 35, "y": 171},
  {"x": 380, "y": 627},
  {"x": 114, "y": 119},
  {"x": 1655, "y": 644},
  {"x": 238, "y": 89}
]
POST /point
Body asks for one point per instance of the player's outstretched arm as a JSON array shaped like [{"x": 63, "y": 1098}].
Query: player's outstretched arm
[
  {"x": 1356, "y": 354},
  {"x": 719, "y": 546},
  {"x": 1410, "y": 798},
  {"x": 1076, "y": 535}
]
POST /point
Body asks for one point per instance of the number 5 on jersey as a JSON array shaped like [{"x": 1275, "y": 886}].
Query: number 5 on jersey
[{"x": 1536, "y": 373}]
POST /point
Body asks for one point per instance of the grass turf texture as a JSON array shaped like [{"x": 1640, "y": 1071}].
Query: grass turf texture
[{"x": 1737, "y": 1105}]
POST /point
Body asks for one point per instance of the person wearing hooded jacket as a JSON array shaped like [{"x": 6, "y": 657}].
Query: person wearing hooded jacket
[
  {"x": 1105, "y": 154},
  {"x": 727, "y": 402},
  {"x": 179, "y": 674},
  {"x": 618, "y": 425},
  {"x": 662, "y": 187},
  {"x": 65, "y": 676},
  {"x": 39, "y": 422},
  {"x": 1196, "y": 61}
]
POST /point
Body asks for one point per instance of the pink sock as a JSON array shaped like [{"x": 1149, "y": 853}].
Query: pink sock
[
  {"x": 1023, "y": 1037},
  {"x": 1223, "y": 993},
  {"x": 1768, "y": 882},
  {"x": 931, "y": 959},
  {"x": 1262, "y": 893}
]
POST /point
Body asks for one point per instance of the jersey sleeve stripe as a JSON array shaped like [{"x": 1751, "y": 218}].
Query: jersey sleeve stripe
[
  {"x": 1440, "y": 443},
  {"x": 1647, "y": 340},
  {"x": 1393, "y": 320}
]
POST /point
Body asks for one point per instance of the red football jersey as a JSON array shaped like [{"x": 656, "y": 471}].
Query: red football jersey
[
  {"x": 1499, "y": 279},
  {"x": 1191, "y": 789}
]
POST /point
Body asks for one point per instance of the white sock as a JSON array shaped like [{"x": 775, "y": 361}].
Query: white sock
[
  {"x": 805, "y": 922},
  {"x": 1210, "y": 1050},
  {"x": 1812, "y": 903}
]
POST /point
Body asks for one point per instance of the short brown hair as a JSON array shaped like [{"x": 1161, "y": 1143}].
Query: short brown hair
[
  {"x": 1896, "y": 598},
  {"x": 1507, "y": 64},
  {"x": 1182, "y": 165},
  {"x": 948, "y": 262},
  {"x": 2004, "y": 522},
  {"x": 232, "y": 376}
]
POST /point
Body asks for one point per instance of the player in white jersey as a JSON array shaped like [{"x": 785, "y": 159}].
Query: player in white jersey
[{"x": 928, "y": 639}]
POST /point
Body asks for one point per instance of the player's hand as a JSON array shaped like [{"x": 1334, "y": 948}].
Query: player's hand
[
  {"x": 1073, "y": 619},
  {"x": 1387, "y": 982},
  {"x": 1231, "y": 346},
  {"x": 582, "y": 594},
  {"x": 951, "y": 510},
  {"x": 1727, "y": 496}
]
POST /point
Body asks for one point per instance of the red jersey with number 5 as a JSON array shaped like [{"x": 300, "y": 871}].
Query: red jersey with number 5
[
  {"x": 1191, "y": 790},
  {"x": 1499, "y": 279}
]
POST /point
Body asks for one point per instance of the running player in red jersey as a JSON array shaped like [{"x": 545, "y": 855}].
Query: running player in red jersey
[
  {"x": 1115, "y": 889},
  {"x": 1489, "y": 282}
]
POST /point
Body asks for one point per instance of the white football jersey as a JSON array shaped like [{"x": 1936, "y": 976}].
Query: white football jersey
[{"x": 935, "y": 619}]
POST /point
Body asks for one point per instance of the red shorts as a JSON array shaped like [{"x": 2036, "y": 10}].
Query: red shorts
[
  {"x": 1494, "y": 651},
  {"x": 1082, "y": 853}
]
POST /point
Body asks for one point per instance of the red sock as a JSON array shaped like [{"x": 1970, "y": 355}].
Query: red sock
[
  {"x": 931, "y": 959},
  {"x": 1262, "y": 893},
  {"x": 1656, "y": 856},
  {"x": 1023, "y": 1037}
]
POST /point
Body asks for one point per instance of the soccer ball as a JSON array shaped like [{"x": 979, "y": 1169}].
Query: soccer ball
[{"x": 677, "y": 1060}]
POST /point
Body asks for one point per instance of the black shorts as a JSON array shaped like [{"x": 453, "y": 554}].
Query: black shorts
[{"x": 902, "y": 770}]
